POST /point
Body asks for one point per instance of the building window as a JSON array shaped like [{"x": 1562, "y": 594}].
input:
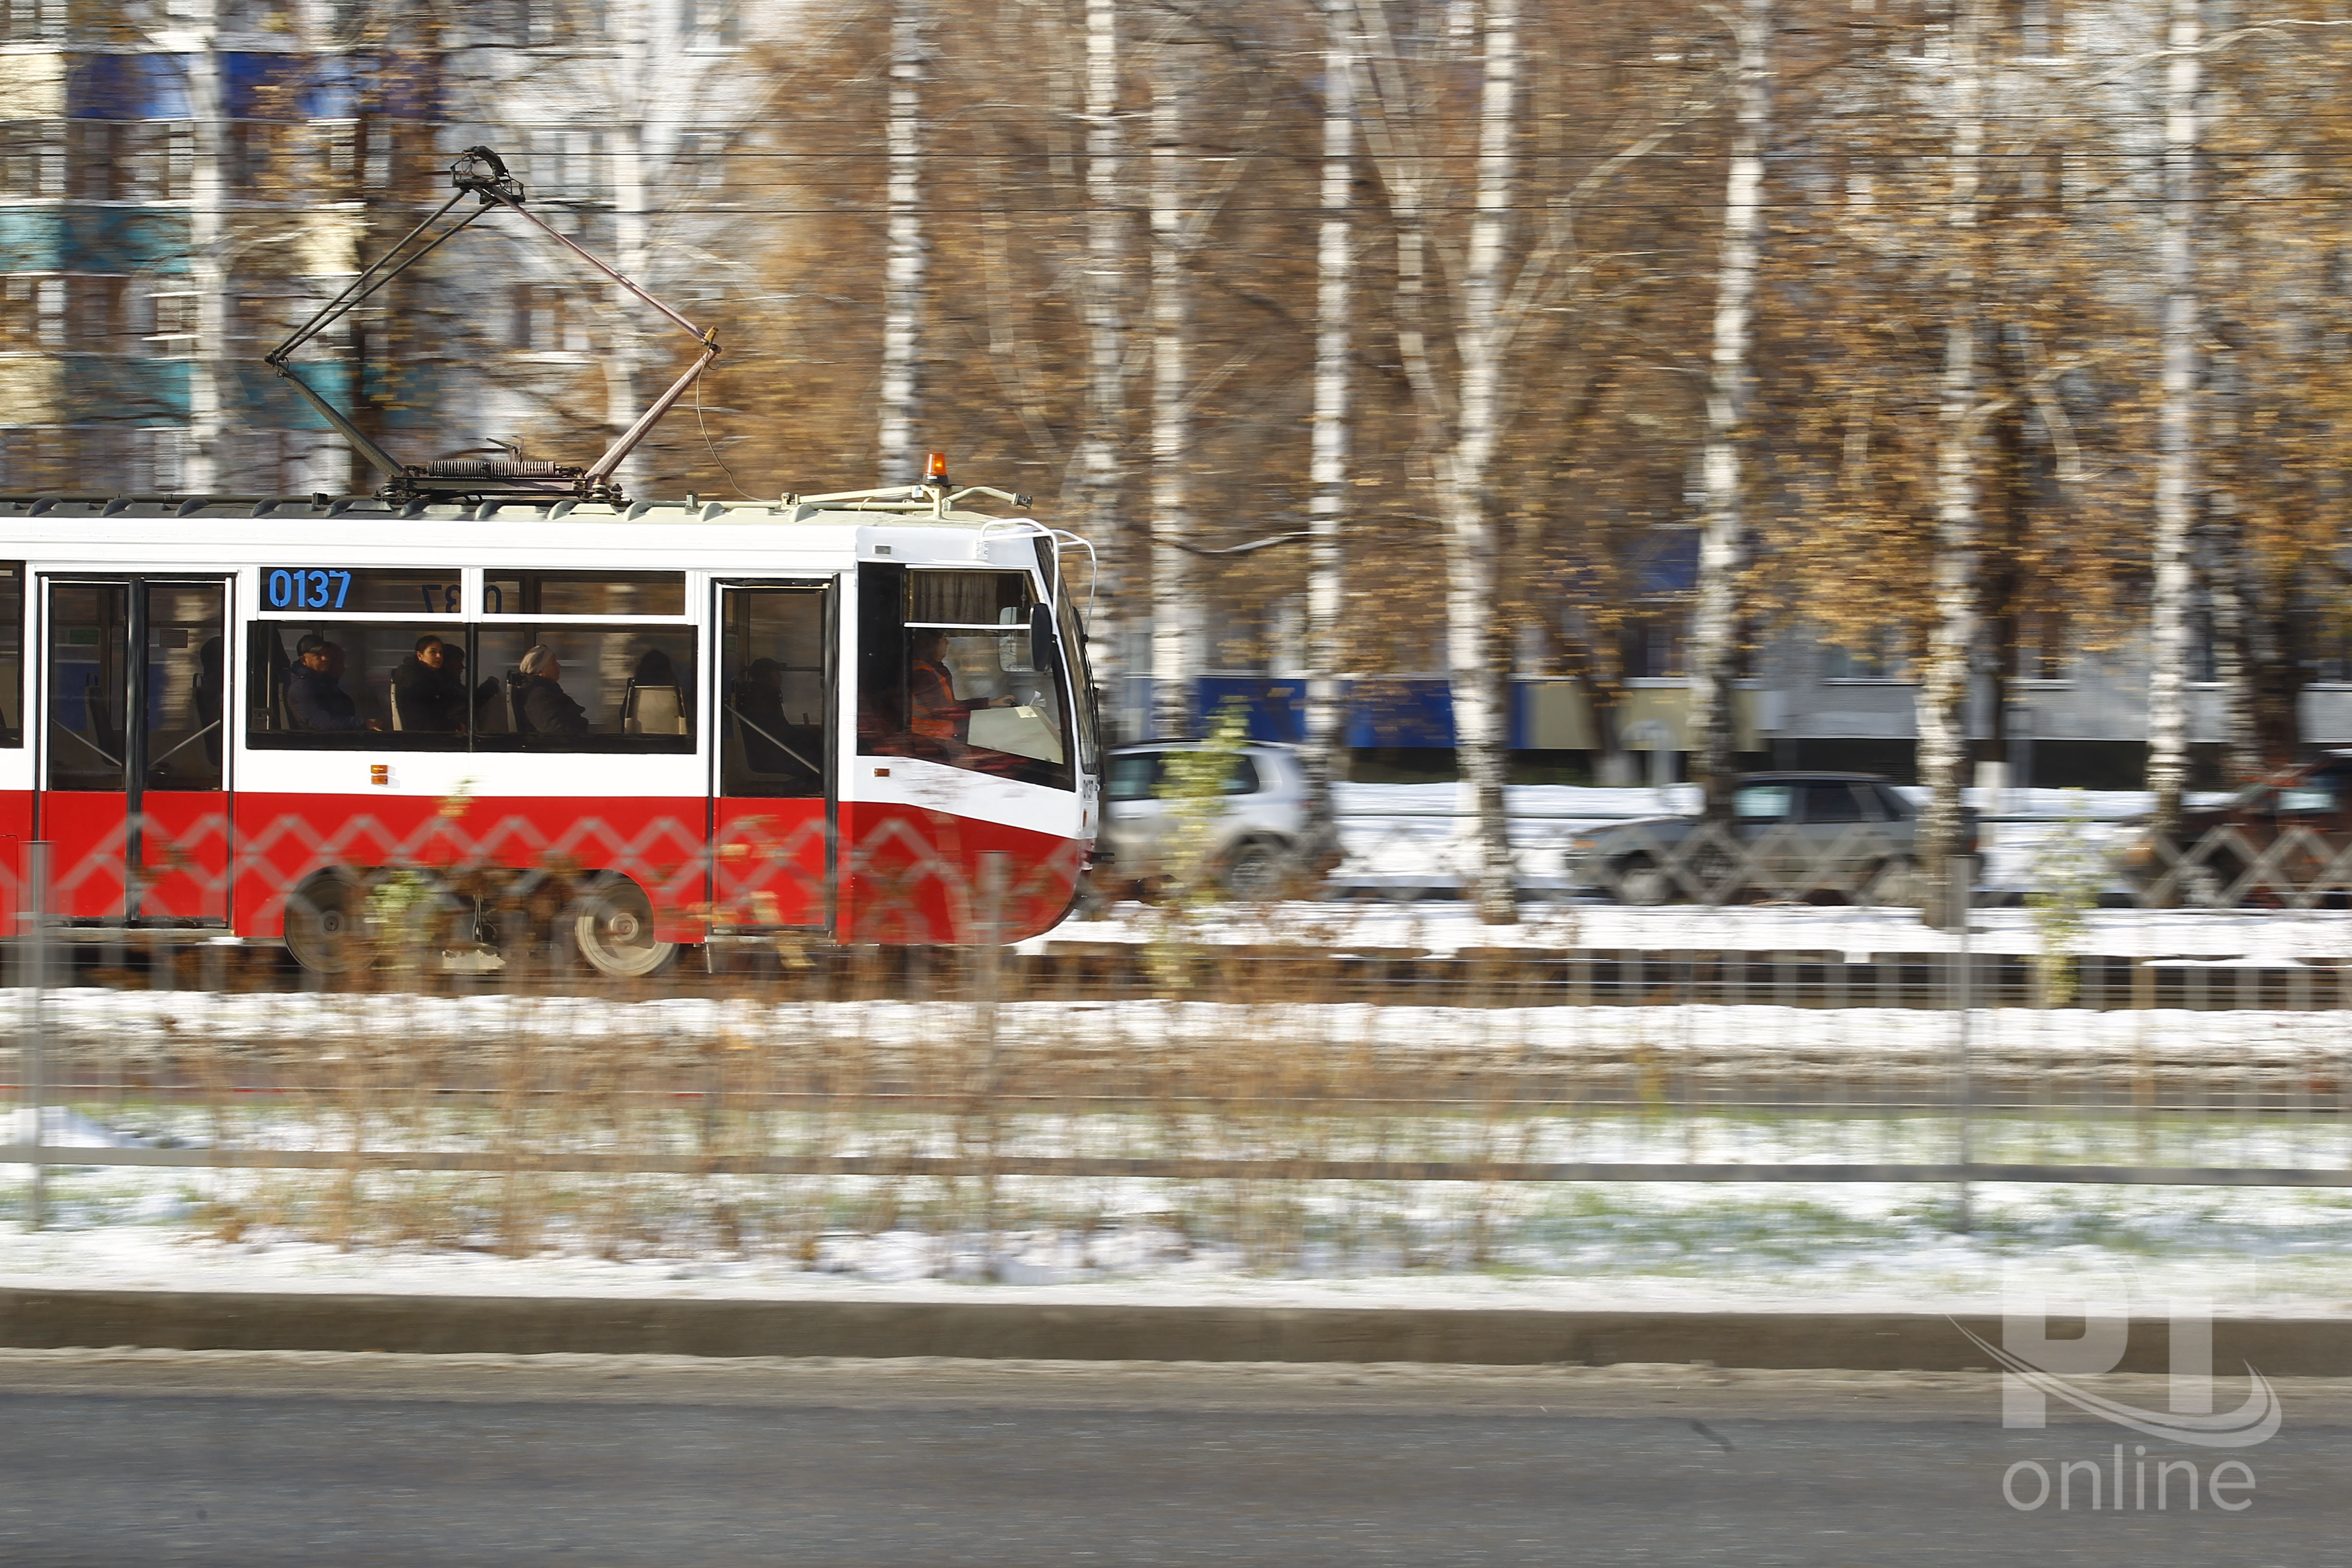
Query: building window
[
  {"x": 32, "y": 313},
  {"x": 1881, "y": 655},
  {"x": 104, "y": 156},
  {"x": 2041, "y": 650},
  {"x": 33, "y": 158},
  {"x": 547, "y": 318},
  {"x": 708, "y": 24},
  {"x": 1654, "y": 642},
  {"x": 175, "y": 323},
  {"x": 24, "y": 21},
  {"x": 564, "y": 164}
]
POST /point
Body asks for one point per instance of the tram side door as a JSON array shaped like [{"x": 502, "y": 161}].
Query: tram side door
[
  {"x": 132, "y": 788},
  {"x": 772, "y": 830}
]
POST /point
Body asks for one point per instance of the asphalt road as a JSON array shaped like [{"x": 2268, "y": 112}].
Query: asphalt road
[{"x": 253, "y": 1459}]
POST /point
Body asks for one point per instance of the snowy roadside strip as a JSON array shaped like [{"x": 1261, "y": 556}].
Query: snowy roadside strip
[
  {"x": 992, "y": 1331},
  {"x": 1182, "y": 1169}
]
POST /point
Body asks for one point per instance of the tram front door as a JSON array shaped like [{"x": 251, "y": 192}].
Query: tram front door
[
  {"x": 132, "y": 789},
  {"x": 772, "y": 828}
]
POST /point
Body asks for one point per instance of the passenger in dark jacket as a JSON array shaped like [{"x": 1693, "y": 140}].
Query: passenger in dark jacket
[
  {"x": 315, "y": 697},
  {"x": 547, "y": 707},
  {"x": 430, "y": 694}
]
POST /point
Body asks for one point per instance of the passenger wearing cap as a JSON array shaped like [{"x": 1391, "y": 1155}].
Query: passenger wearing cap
[
  {"x": 547, "y": 707},
  {"x": 315, "y": 697}
]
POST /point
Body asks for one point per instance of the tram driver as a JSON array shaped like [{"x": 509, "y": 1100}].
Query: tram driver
[
  {"x": 315, "y": 697},
  {"x": 936, "y": 715},
  {"x": 546, "y": 708}
]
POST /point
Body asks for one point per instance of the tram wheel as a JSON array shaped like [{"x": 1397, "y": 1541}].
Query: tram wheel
[
  {"x": 612, "y": 927},
  {"x": 326, "y": 926}
]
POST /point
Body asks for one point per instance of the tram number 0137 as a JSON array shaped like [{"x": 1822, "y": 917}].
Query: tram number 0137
[
  {"x": 296, "y": 588},
  {"x": 369, "y": 592}
]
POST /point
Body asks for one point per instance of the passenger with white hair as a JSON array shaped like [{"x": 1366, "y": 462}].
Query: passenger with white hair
[{"x": 547, "y": 707}]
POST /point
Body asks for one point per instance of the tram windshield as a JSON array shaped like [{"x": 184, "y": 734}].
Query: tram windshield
[{"x": 953, "y": 669}]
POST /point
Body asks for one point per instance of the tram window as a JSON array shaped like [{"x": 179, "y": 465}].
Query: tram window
[
  {"x": 583, "y": 593},
  {"x": 12, "y": 654},
  {"x": 89, "y": 654},
  {"x": 959, "y": 687},
  {"x": 187, "y": 682},
  {"x": 614, "y": 689},
  {"x": 773, "y": 688},
  {"x": 376, "y": 692},
  {"x": 363, "y": 591}
]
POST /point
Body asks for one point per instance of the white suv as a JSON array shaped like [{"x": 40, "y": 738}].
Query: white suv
[{"x": 1259, "y": 831}]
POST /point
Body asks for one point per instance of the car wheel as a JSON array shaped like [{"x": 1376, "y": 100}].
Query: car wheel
[
  {"x": 327, "y": 928},
  {"x": 611, "y": 928},
  {"x": 1895, "y": 885},
  {"x": 1644, "y": 885},
  {"x": 1254, "y": 870}
]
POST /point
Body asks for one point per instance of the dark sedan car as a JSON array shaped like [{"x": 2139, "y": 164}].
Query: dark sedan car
[
  {"x": 1791, "y": 835},
  {"x": 2286, "y": 840}
]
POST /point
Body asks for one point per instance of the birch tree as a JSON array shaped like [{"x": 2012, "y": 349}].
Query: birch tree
[
  {"x": 904, "y": 268},
  {"x": 1723, "y": 540},
  {"x": 1464, "y": 415},
  {"x": 2176, "y": 456},
  {"x": 1104, "y": 300},
  {"x": 1952, "y": 633},
  {"x": 1329, "y": 460},
  {"x": 1175, "y": 610},
  {"x": 1480, "y": 715}
]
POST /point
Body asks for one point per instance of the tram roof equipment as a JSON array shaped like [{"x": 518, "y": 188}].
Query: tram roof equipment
[{"x": 481, "y": 174}]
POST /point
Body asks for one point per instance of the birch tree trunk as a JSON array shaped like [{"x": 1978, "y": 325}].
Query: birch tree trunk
[
  {"x": 2175, "y": 459},
  {"x": 909, "y": 256},
  {"x": 1723, "y": 538},
  {"x": 1944, "y": 685},
  {"x": 1099, "y": 464},
  {"x": 1480, "y": 716},
  {"x": 1175, "y": 610},
  {"x": 1334, "y": 346},
  {"x": 2225, "y": 545},
  {"x": 201, "y": 467}
]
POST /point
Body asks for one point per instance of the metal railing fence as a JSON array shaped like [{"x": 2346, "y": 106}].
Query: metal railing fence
[{"x": 1791, "y": 1019}]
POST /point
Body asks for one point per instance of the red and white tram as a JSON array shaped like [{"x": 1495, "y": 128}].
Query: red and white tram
[{"x": 866, "y": 716}]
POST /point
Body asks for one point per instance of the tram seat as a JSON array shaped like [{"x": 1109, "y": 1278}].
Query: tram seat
[
  {"x": 653, "y": 710},
  {"x": 392, "y": 701},
  {"x": 515, "y": 714}
]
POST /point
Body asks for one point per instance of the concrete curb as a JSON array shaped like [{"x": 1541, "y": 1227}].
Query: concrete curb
[{"x": 52, "y": 1320}]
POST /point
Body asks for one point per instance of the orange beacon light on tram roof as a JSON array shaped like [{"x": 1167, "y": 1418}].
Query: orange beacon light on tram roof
[{"x": 936, "y": 470}]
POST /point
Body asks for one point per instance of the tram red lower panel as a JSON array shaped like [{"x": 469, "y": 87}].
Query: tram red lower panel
[
  {"x": 913, "y": 874},
  {"x": 85, "y": 831},
  {"x": 770, "y": 864},
  {"x": 183, "y": 845},
  {"x": 15, "y": 832},
  {"x": 906, "y": 874},
  {"x": 658, "y": 842}
]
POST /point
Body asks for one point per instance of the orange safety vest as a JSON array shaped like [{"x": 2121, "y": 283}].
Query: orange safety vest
[{"x": 935, "y": 710}]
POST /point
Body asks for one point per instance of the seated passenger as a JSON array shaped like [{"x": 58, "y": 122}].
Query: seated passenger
[
  {"x": 315, "y": 698},
  {"x": 547, "y": 707},
  {"x": 429, "y": 686}
]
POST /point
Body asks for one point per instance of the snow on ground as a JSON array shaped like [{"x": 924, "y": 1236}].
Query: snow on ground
[
  {"x": 315, "y": 1028},
  {"x": 1853, "y": 1247},
  {"x": 2280, "y": 938}
]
